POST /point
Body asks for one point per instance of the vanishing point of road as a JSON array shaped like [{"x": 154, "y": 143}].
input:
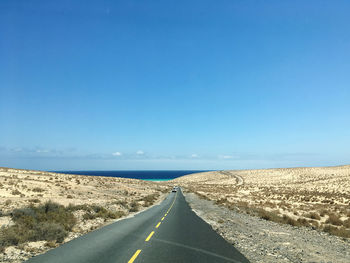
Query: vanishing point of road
[{"x": 168, "y": 232}]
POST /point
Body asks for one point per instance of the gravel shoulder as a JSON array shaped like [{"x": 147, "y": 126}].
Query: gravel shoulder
[{"x": 265, "y": 241}]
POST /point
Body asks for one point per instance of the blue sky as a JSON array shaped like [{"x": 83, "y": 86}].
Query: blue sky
[{"x": 174, "y": 84}]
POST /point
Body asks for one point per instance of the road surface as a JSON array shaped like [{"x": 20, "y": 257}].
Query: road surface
[{"x": 168, "y": 232}]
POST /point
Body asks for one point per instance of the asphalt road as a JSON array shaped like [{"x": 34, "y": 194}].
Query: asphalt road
[{"x": 168, "y": 232}]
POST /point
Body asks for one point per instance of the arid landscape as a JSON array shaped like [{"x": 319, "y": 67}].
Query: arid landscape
[
  {"x": 277, "y": 215},
  {"x": 318, "y": 197},
  {"x": 64, "y": 206},
  {"x": 270, "y": 215}
]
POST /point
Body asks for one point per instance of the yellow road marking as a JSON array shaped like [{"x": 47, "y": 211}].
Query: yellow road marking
[
  {"x": 171, "y": 205},
  {"x": 149, "y": 236},
  {"x": 134, "y": 256},
  {"x": 163, "y": 218},
  {"x": 158, "y": 225}
]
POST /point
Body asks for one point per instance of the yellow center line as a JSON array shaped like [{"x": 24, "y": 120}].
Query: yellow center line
[
  {"x": 132, "y": 259},
  {"x": 149, "y": 236},
  {"x": 134, "y": 256},
  {"x": 171, "y": 205}
]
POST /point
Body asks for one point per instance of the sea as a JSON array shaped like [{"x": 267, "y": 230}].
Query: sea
[{"x": 157, "y": 175}]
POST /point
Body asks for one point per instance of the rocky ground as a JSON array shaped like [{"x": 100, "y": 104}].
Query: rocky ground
[
  {"x": 263, "y": 241},
  {"x": 93, "y": 201}
]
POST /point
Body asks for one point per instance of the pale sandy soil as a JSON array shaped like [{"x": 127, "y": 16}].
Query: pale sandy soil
[
  {"x": 262, "y": 241},
  {"x": 22, "y": 188},
  {"x": 318, "y": 197},
  {"x": 277, "y": 215}
]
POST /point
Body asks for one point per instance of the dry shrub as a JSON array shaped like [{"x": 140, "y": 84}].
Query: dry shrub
[
  {"x": 38, "y": 189},
  {"x": 230, "y": 206},
  {"x": 84, "y": 207},
  {"x": 164, "y": 190},
  {"x": 50, "y": 222},
  {"x": 101, "y": 212},
  {"x": 270, "y": 204},
  {"x": 11, "y": 182},
  {"x": 290, "y": 221},
  {"x": 324, "y": 212},
  {"x": 150, "y": 199},
  {"x": 221, "y": 201},
  {"x": 313, "y": 215},
  {"x": 334, "y": 220},
  {"x": 34, "y": 200},
  {"x": 50, "y": 244},
  {"x": 314, "y": 223},
  {"x": 16, "y": 192},
  {"x": 303, "y": 222},
  {"x": 346, "y": 223},
  {"x": 134, "y": 206},
  {"x": 121, "y": 203},
  {"x": 267, "y": 215},
  {"x": 285, "y": 219},
  {"x": 202, "y": 196},
  {"x": 341, "y": 232},
  {"x": 89, "y": 216}
]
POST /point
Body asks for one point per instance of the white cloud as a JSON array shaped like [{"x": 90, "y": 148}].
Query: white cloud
[
  {"x": 226, "y": 156},
  {"x": 194, "y": 155},
  {"x": 117, "y": 154},
  {"x": 42, "y": 151},
  {"x": 139, "y": 152}
]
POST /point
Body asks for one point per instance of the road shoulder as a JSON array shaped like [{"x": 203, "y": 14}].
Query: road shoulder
[{"x": 264, "y": 241}]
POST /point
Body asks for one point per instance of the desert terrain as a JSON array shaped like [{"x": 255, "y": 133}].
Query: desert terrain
[
  {"x": 277, "y": 215},
  {"x": 64, "y": 206},
  {"x": 270, "y": 215}
]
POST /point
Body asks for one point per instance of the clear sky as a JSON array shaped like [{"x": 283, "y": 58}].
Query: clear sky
[{"x": 174, "y": 84}]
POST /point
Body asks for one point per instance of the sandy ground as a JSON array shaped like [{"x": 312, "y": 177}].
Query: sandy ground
[
  {"x": 264, "y": 241},
  {"x": 316, "y": 199},
  {"x": 22, "y": 188}
]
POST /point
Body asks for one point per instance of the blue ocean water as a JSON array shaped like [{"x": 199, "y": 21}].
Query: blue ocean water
[{"x": 157, "y": 175}]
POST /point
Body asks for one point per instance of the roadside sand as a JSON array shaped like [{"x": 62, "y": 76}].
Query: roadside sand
[
  {"x": 264, "y": 241},
  {"x": 319, "y": 195},
  {"x": 22, "y": 188},
  {"x": 311, "y": 203}
]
